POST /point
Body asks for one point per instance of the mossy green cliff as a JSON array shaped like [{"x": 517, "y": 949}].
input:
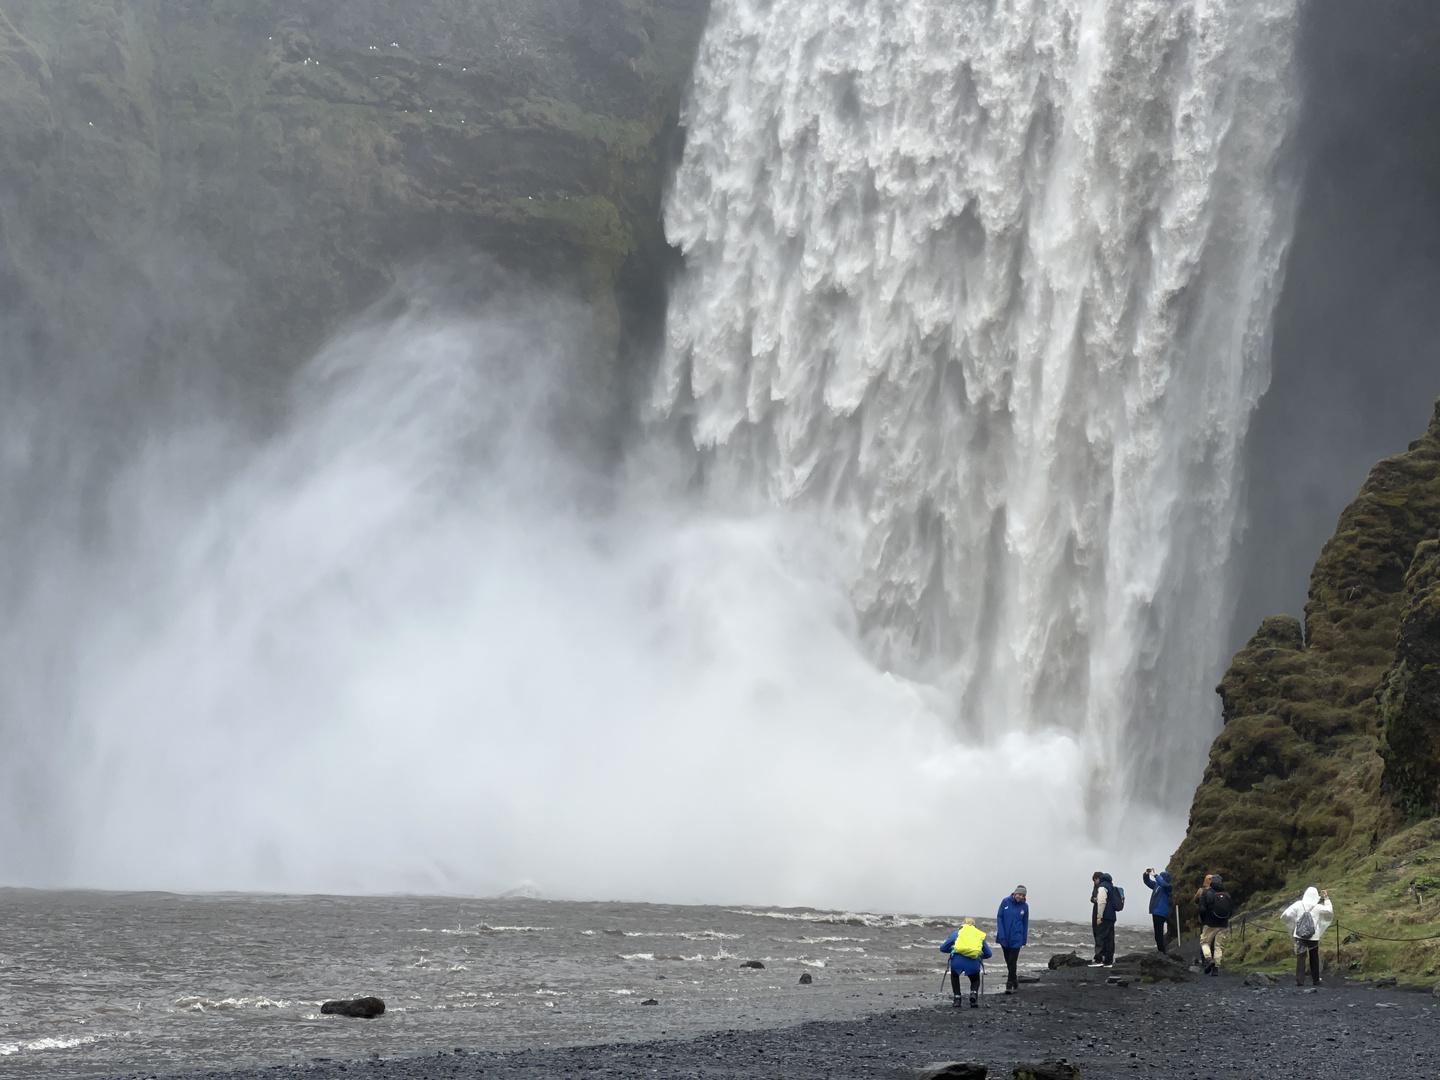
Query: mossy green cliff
[
  {"x": 1327, "y": 771},
  {"x": 275, "y": 161}
]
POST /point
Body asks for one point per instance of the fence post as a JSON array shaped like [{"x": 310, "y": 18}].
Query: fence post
[{"x": 1337, "y": 946}]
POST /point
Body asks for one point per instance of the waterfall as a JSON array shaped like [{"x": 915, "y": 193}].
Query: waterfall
[{"x": 989, "y": 283}]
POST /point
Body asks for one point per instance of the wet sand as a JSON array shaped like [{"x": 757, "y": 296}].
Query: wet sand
[{"x": 1207, "y": 1028}]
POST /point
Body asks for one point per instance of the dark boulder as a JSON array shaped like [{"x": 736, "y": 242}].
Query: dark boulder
[
  {"x": 753, "y": 964},
  {"x": 952, "y": 1070},
  {"x": 365, "y": 1008},
  {"x": 1151, "y": 967},
  {"x": 1046, "y": 1070},
  {"x": 649, "y": 1001},
  {"x": 806, "y": 980},
  {"x": 1259, "y": 978},
  {"x": 1389, "y": 980},
  {"x": 1064, "y": 960}
]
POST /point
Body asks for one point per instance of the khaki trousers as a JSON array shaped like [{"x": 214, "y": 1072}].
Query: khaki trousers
[{"x": 1212, "y": 942}]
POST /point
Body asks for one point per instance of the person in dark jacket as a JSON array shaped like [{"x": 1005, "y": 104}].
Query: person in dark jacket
[
  {"x": 960, "y": 964},
  {"x": 1102, "y": 906},
  {"x": 1216, "y": 907},
  {"x": 1160, "y": 891},
  {"x": 1012, "y": 931}
]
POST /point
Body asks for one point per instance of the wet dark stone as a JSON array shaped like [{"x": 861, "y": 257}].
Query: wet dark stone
[
  {"x": 806, "y": 980},
  {"x": 1064, "y": 960},
  {"x": 364, "y": 1008},
  {"x": 753, "y": 964},
  {"x": 1046, "y": 1070},
  {"x": 649, "y": 1001},
  {"x": 953, "y": 1070}
]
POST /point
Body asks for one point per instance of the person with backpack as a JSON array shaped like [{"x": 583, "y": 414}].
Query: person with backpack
[
  {"x": 1012, "y": 931},
  {"x": 968, "y": 950},
  {"x": 1107, "y": 900},
  {"x": 1160, "y": 890},
  {"x": 1308, "y": 919},
  {"x": 1216, "y": 909}
]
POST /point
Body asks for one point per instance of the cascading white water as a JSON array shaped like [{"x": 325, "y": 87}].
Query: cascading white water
[
  {"x": 990, "y": 281},
  {"x": 975, "y": 314}
]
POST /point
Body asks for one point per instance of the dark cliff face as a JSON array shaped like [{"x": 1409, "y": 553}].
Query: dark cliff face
[
  {"x": 1333, "y": 737},
  {"x": 1357, "y": 333},
  {"x": 233, "y": 178},
  {"x": 1410, "y": 698}
]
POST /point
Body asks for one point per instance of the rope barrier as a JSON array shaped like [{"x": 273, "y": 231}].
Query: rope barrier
[{"x": 1244, "y": 922}]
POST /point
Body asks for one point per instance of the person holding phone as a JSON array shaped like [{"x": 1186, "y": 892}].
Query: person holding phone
[
  {"x": 1308, "y": 919},
  {"x": 1160, "y": 890}
]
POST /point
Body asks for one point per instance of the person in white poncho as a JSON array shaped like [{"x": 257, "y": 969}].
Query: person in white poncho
[{"x": 1308, "y": 919}]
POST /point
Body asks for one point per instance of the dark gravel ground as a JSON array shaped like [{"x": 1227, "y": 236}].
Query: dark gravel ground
[{"x": 1209, "y": 1027}]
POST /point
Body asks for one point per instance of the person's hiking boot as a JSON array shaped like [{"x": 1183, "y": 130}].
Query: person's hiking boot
[
  {"x": 1096, "y": 963},
  {"x": 974, "y": 1000},
  {"x": 1207, "y": 967},
  {"x": 958, "y": 1001}
]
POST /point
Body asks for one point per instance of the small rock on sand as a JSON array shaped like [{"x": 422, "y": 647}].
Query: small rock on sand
[
  {"x": 952, "y": 1070},
  {"x": 365, "y": 1008},
  {"x": 1389, "y": 980},
  {"x": 806, "y": 980},
  {"x": 1259, "y": 978},
  {"x": 1046, "y": 1070},
  {"x": 1064, "y": 960},
  {"x": 753, "y": 964},
  {"x": 649, "y": 1001}
]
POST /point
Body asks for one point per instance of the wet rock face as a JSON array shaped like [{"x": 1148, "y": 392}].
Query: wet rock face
[
  {"x": 1410, "y": 701},
  {"x": 1333, "y": 735},
  {"x": 244, "y": 176}
]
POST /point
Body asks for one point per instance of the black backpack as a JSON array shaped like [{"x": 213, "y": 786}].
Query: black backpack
[
  {"x": 1119, "y": 897},
  {"x": 1221, "y": 907},
  {"x": 1305, "y": 926}
]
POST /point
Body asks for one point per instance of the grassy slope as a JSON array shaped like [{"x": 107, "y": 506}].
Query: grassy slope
[{"x": 1297, "y": 790}]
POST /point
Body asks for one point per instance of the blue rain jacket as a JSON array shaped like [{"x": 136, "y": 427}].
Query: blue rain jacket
[
  {"x": 963, "y": 964},
  {"x": 1012, "y": 924},
  {"x": 1160, "y": 888}
]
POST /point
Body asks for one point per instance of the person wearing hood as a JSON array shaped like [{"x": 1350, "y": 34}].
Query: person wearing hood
[
  {"x": 1102, "y": 908},
  {"x": 1160, "y": 890},
  {"x": 1012, "y": 931},
  {"x": 960, "y": 945},
  {"x": 1216, "y": 908},
  {"x": 1308, "y": 919}
]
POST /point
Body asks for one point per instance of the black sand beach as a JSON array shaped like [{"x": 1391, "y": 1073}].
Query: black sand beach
[{"x": 1206, "y": 1028}]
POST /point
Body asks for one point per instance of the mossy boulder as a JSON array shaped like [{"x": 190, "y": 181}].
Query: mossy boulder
[{"x": 1331, "y": 737}]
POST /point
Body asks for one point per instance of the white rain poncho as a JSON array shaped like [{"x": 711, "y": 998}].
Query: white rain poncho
[{"x": 1320, "y": 910}]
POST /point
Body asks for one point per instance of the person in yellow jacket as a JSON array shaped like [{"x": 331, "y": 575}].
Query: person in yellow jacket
[{"x": 967, "y": 948}]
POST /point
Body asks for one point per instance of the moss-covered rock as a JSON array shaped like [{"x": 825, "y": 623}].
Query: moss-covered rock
[
  {"x": 1332, "y": 737},
  {"x": 297, "y": 152}
]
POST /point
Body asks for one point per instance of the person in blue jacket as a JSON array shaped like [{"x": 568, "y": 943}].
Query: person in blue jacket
[
  {"x": 964, "y": 965},
  {"x": 1012, "y": 931},
  {"x": 1160, "y": 891}
]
